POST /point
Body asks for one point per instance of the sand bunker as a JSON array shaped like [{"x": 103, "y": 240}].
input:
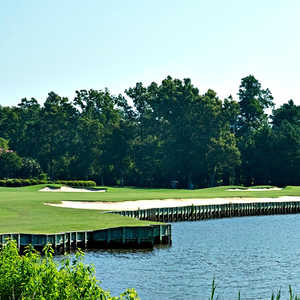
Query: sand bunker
[
  {"x": 255, "y": 190},
  {"x": 70, "y": 189},
  {"x": 147, "y": 204}
]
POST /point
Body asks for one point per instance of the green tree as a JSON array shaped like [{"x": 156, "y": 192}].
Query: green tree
[
  {"x": 176, "y": 129},
  {"x": 289, "y": 112},
  {"x": 148, "y": 133},
  {"x": 286, "y": 155},
  {"x": 30, "y": 168},
  {"x": 10, "y": 128},
  {"x": 28, "y": 121},
  {"x": 10, "y": 164},
  {"x": 263, "y": 156},
  {"x": 87, "y": 149},
  {"x": 286, "y": 144},
  {"x": 56, "y": 132},
  {"x": 231, "y": 112},
  {"x": 253, "y": 102},
  {"x": 103, "y": 146},
  {"x": 222, "y": 157},
  {"x": 3, "y": 144}
]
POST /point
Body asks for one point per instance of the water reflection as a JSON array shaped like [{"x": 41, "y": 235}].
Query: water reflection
[{"x": 116, "y": 251}]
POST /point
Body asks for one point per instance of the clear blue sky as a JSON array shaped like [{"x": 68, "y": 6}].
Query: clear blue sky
[{"x": 66, "y": 45}]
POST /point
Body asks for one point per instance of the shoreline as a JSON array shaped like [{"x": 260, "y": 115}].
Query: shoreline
[
  {"x": 113, "y": 237},
  {"x": 167, "y": 203}
]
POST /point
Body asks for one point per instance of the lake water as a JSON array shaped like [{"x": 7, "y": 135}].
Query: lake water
[{"x": 256, "y": 255}]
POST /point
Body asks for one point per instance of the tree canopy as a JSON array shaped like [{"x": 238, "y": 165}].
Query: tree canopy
[{"x": 154, "y": 135}]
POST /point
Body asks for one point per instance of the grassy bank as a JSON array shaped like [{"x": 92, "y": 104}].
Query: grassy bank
[{"x": 23, "y": 209}]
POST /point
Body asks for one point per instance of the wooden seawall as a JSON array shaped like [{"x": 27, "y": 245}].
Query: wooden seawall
[
  {"x": 147, "y": 236},
  {"x": 203, "y": 212},
  {"x": 120, "y": 237}
]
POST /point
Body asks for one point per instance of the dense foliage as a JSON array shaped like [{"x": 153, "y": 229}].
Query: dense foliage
[
  {"x": 16, "y": 182},
  {"x": 77, "y": 183},
  {"x": 32, "y": 276},
  {"x": 169, "y": 133}
]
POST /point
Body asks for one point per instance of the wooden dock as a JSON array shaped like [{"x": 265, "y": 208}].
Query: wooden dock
[
  {"x": 120, "y": 237},
  {"x": 203, "y": 212}
]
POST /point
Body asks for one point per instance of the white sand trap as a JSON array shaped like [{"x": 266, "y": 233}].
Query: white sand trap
[
  {"x": 146, "y": 204},
  {"x": 255, "y": 190},
  {"x": 70, "y": 189}
]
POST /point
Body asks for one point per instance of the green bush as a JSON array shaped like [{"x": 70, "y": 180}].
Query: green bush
[
  {"x": 43, "y": 176},
  {"x": 34, "y": 181},
  {"x": 32, "y": 276},
  {"x": 17, "y": 182},
  {"x": 11, "y": 183},
  {"x": 77, "y": 183},
  {"x": 14, "y": 182}
]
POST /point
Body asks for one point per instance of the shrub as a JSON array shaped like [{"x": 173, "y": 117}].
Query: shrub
[
  {"x": 77, "y": 183},
  {"x": 32, "y": 276},
  {"x": 10, "y": 182},
  {"x": 34, "y": 181},
  {"x": 16, "y": 182},
  {"x": 13, "y": 182},
  {"x": 43, "y": 176}
]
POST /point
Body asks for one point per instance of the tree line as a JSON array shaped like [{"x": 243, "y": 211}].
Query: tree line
[{"x": 155, "y": 136}]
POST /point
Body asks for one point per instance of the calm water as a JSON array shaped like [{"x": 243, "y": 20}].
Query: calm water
[{"x": 256, "y": 255}]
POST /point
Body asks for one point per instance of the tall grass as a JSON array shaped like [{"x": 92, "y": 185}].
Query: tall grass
[{"x": 277, "y": 296}]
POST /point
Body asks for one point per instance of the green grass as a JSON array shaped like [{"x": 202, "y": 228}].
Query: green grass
[{"x": 23, "y": 210}]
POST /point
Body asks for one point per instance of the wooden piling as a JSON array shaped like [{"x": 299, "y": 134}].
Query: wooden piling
[
  {"x": 136, "y": 236},
  {"x": 202, "y": 212}
]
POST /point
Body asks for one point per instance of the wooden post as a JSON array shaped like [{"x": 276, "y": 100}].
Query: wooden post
[
  {"x": 123, "y": 235},
  {"x": 138, "y": 235},
  {"x": 76, "y": 238},
  {"x": 108, "y": 236},
  {"x": 55, "y": 245},
  {"x": 64, "y": 242},
  {"x": 85, "y": 239},
  {"x": 18, "y": 241},
  {"x": 70, "y": 241},
  {"x": 160, "y": 234}
]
